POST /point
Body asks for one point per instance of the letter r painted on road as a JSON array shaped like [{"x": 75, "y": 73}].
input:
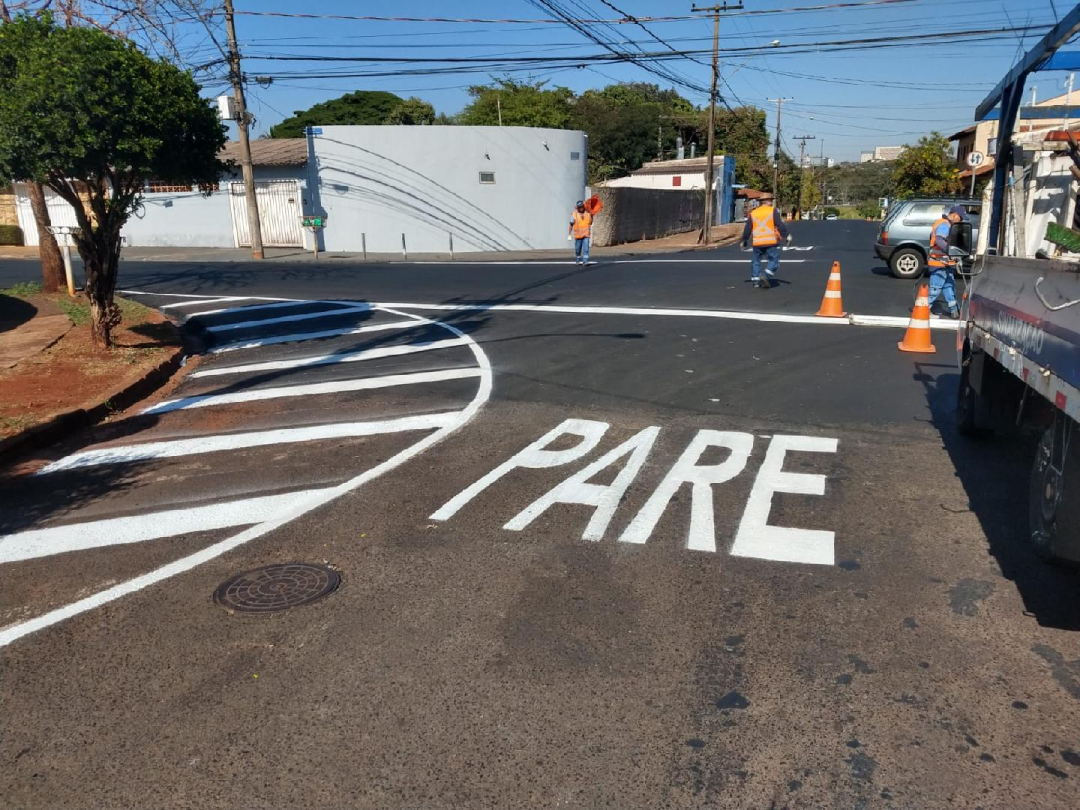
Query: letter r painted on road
[
  {"x": 687, "y": 470},
  {"x": 534, "y": 457},
  {"x": 756, "y": 538}
]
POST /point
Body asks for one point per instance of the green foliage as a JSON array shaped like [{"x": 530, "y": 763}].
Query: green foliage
[
  {"x": 810, "y": 190},
  {"x": 927, "y": 169},
  {"x": 24, "y": 289},
  {"x": 868, "y": 209},
  {"x": 831, "y": 211},
  {"x": 522, "y": 104},
  {"x": 77, "y": 309},
  {"x": 413, "y": 112},
  {"x": 99, "y": 122},
  {"x": 11, "y": 235},
  {"x": 364, "y": 107},
  {"x": 858, "y": 183}
]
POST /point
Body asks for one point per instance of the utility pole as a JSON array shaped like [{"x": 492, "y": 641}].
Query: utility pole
[
  {"x": 242, "y": 123},
  {"x": 710, "y": 162},
  {"x": 776, "y": 150},
  {"x": 802, "y": 166}
]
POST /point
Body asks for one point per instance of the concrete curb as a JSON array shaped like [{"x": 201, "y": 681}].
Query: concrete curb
[{"x": 65, "y": 424}]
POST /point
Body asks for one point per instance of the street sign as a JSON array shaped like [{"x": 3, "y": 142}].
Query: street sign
[
  {"x": 314, "y": 222},
  {"x": 314, "y": 130},
  {"x": 976, "y": 159}
]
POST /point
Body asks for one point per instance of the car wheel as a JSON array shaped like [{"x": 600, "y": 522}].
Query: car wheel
[{"x": 906, "y": 263}]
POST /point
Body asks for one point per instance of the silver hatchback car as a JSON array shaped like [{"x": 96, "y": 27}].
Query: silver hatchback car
[{"x": 904, "y": 237}]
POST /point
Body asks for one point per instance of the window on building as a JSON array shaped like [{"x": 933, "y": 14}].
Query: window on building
[
  {"x": 488, "y": 178},
  {"x": 676, "y": 181},
  {"x": 158, "y": 187}
]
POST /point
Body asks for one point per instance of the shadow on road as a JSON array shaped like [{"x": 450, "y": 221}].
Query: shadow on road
[{"x": 994, "y": 472}]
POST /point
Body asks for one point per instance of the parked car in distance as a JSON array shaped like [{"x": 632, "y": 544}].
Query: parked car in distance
[
  {"x": 832, "y": 217},
  {"x": 904, "y": 238}
]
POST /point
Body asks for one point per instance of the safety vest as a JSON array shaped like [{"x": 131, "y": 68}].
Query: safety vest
[
  {"x": 582, "y": 225},
  {"x": 765, "y": 233},
  {"x": 938, "y": 258}
]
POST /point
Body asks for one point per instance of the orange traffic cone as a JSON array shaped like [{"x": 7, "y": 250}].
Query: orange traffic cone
[
  {"x": 832, "y": 305},
  {"x": 917, "y": 337}
]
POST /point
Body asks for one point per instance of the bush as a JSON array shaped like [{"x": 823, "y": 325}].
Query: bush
[{"x": 11, "y": 235}]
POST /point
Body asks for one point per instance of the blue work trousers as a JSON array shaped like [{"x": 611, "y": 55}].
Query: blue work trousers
[
  {"x": 943, "y": 282},
  {"x": 772, "y": 254},
  {"x": 581, "y": 250}
]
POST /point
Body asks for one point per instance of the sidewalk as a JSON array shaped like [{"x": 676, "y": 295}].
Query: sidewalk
[
  {"x": 26, "y": 329},
  {"x": 723, "y": 235}
]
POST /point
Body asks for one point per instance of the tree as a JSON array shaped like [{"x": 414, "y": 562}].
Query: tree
[
  {"x": 156, "y": 23},
  {"x": 927, "y": 169},
  {"x": 94, "y": 126},
  {"x": 520, "y": 104},
  {"x": 810, "y": 192},
  {"x": 364, "y": 107},
  {"x": 412, "y": 111},
  {"x": 868, "y": 210}
]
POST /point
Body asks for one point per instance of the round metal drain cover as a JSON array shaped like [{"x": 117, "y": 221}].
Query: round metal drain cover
[{"x": 277, "y": 587}]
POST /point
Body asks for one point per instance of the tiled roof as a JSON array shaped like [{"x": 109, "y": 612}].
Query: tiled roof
[{"x": 270, "y": 152}]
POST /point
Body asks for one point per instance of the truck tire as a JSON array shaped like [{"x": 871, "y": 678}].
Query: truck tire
[
  {"x": 1054, "y": 516},
  {"x": 907, "y": 262},
  {"x": 969, "y": 405}
]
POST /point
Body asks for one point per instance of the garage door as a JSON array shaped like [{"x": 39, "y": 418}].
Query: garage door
[{"x": 280, "y": 213}]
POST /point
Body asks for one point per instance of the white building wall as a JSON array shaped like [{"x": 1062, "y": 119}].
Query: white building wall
[
  {"x": 188, "y": 219},
  {"x": 424, "y": 181},
  {"x": 664, "y": 182}
]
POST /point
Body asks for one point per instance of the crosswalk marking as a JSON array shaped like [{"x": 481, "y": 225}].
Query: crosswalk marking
[
  {"x": 140, "y": 528},
  {"x": 314, "y": 389},
  {"x": 302, "y": 336},
  {"x": 198, "y": 302},
  {"x": 306, "y": 316},
  {"x": 333, "y": 359},
  {"x": 127, "y": 454}
]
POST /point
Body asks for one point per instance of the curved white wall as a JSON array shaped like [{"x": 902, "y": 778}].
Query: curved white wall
[{"x": 424, "y": 181}]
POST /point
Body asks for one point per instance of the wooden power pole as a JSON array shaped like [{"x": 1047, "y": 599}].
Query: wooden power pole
[
  {"x": 710, "y": 162},
  {"x": 776, "y": 152},
  {"x": 243, "y": 121}
]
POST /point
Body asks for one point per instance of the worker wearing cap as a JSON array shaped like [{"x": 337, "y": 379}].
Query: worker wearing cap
[
  {"x": 942, "y": 266},
  {"x": 764, "y": 231},
  {"x": 581, "y": 232}
]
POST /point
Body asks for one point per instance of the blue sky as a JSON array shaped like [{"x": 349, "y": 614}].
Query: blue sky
[{"x": 873, "y": 97}]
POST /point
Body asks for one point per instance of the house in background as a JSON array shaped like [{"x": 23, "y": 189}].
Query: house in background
[
  {"x": 182, "y": 216},
  {"x": 686, "y": 175}
]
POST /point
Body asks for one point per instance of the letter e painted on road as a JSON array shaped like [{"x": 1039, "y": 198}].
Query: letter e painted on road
[
  {"x": 686, "y": 470},
  {"x": 756, "y": 538},
  {"x": 534, "y": 457},
  {"x": 577, "y": 490}
]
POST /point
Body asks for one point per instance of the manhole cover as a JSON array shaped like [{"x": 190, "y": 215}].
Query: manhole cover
[{"x": 277, "y": 587}]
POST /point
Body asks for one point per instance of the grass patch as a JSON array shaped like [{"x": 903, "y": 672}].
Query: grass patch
[
  {"x": 133, "y": 312},
  {"x": 77, "y": 309},
  {"x": 24, "y": 289},
  {"x": 11, "y": 424}
]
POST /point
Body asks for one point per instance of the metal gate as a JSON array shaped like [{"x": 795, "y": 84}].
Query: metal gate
[
  {"x": 280, "y": 213},
  {"x": 60, "y": 213}
]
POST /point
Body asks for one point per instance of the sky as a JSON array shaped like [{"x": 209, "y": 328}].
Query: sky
[{"x": 848, "y": 101}]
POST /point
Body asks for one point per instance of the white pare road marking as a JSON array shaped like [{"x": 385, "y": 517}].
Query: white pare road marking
[
  {"x": 152, "y": 451},
  {"x": 695, "y": 261},
  {"x": 271, "y": 522},
  {"x": 140, "y": 528},
  {"x": 314, "y": 389},
  {"x": 333, "y": 359},
  {"x": 755, "y": 537}
]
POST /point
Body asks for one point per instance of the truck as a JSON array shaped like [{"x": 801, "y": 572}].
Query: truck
[{"x": 1018, "y": 345}]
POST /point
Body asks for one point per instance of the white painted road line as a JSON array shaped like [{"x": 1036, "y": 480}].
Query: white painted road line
[
  {"x": 942, "y": 324},
  {"x": 203, "y": 298},
  {"x": 307, "y": 316},
  {"x": 152, "y": 451},
  {"x": 140, "y": 528},
  {"x": 734, "y": 315},
  {"x": 333, "y": 359},
  {"x": 201, "y": 302},
  {"x": 299, "y": 337},
  {"x": 278, "y": 303},
  {"x": 696, "y": 261},
  {"x": 14, "y": 632},
  {"x": 315, "y": 389}
]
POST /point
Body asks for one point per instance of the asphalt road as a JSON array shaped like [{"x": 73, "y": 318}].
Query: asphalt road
[{"x": 599, "y": 554}]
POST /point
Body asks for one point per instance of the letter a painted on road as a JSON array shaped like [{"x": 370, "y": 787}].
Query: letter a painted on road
[{"x": 534, "y": 457}]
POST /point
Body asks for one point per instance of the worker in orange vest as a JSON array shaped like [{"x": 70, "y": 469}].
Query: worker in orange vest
[
  {"x": 764, "y": 231},
  {"x": 942, "y": 267},
  {"x": 581, "y": 232}
]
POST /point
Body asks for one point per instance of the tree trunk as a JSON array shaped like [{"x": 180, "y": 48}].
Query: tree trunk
[
  {"x": 52, "y": 263},
  {"x": 100, "y": 251}
]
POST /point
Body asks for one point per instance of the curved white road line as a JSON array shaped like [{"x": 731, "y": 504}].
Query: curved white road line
[{"x": 317, "y": 499}]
